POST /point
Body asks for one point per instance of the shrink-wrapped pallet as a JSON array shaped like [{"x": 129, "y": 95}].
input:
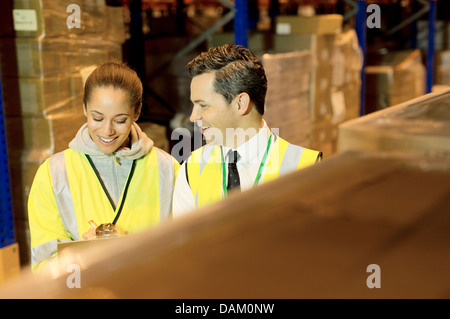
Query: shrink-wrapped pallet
[
  {"x": 393, "y": 78},
  {"x": 287, "y": 102},
  {"x": 418, "y": 126},
  {"x": 289, "y": 238}
]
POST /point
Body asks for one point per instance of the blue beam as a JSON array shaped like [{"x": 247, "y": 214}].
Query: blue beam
[
  {"x": 360, "y": 26},
  {"x": 430, "y": 51},
  {"x": 6, "y": 213},
  {"x": 241, "y": 23}
]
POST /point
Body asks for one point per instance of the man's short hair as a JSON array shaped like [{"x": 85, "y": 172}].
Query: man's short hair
[{"x": 237, "y": 70}]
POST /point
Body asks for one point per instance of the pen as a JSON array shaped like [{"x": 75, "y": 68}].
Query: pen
[{"x": 92, "y": 223}]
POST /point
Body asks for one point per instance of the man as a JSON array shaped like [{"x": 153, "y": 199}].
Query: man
[{"x": 228, "y": 91}]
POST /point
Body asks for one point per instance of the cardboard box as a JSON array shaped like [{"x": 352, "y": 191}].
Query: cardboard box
[
  {"x": 35, "y": 96},
  {"x": 257, "y": 41},
  {"x": 49, "y": 133},
  {"x": 33, "y": 57},
  {"x": 84, "y": 52},
  {"x": 334, "y": 81},
  {"x": 319, "y": 24},
  {"x": 74, "y": 245},
  {"x": 442, "y": 68},
  {"x": 324, "y": 137},
  {"x": 46, "y": 18},
  {"x": 287, "y": 100},
  {"x": 9, "y": 262},
  {"x": 393, "y": 78},
  {"x": 418, "y": 126},
  {"x": 115, "y": 28},
  {"x": 441, "y": 35},
  {"x": 353, "y": 210}
]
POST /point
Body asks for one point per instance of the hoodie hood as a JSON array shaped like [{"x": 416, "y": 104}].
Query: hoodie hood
[{"x": 141, "y": 144}]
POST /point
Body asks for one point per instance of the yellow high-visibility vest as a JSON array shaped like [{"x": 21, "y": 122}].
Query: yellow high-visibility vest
[
  {"x": 204, "y": 167},
  {"x": 66, "y": 193}
]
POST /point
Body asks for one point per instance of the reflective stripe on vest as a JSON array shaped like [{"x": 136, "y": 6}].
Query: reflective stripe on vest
[
  {"x": 204, "y": 168},
  {"x": 144, "y": 205}
]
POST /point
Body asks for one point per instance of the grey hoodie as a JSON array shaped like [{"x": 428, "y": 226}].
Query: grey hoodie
[{"x": 115, "y": 167}]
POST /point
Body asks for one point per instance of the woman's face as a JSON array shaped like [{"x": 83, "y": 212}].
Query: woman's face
[{"x": 109, "y": 118}]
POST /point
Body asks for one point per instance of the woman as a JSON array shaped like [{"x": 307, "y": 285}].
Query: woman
[{"x": 111, "y": 172}]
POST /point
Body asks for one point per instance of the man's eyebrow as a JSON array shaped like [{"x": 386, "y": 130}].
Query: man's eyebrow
[{"x": 198, "y": 101}]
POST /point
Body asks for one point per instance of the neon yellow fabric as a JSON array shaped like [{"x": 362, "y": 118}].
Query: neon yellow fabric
[
  {"x": 309, "y": 157},
  {"x": 210, "y": 191},
  {"x": 44, "y": 220},
  {"x": 275, "y": 159},
  {"x": 206, "y": 186},
  {"x": 141, "y": 208}
]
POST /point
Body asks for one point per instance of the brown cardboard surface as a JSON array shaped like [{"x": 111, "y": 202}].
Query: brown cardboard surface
[
  {"x": 393, "y": 78},
  {"x": 309, "y": 234},
  {"x": 319, "y": 24},
  {"x": 417, "y": 126},
  {"x": 287, "y": 100},
  {"x": 9, "y": 263}
]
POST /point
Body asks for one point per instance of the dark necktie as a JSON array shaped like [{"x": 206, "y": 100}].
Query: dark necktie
[{"x": 233, "y": 174}]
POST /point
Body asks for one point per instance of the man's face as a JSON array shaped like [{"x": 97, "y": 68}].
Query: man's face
[{"x": 210, "y": 110}]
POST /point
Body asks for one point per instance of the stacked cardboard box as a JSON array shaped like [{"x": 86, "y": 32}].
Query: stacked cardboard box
[
  {"x": 42, "y": 65},
  {"x": 441, "y": 35},
  {"x": 335, "y": 81},
  {"x": 419, "y": 126},
  {"x": 318, "y": 24},
  {"x": 393, "y": 78},
  {"x": 287, "y": 101},
  {"x": 442, "y": 68},
  {"x": 336, "y": 62},
  {"x": 337, "y": 229},
  {"x": 9, "y": 263}
]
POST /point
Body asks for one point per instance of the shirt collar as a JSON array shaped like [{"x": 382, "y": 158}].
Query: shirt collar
[{"x": 252, "y": 150}]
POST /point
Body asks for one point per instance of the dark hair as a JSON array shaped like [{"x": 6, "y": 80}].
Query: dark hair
[
  {"x": 237, "y": 70},
  {"x": 118, "y": 75}
]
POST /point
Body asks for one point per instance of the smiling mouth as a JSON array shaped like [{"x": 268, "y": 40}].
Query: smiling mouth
[
  {"x": 204, "y": 128},
  {"x": 106, "y": 140}
]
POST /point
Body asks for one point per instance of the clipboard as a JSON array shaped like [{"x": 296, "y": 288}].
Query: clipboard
[{"x": 77, "y": 245}]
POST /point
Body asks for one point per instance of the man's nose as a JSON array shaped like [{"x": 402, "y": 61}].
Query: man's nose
[{"x": 195, "y": 114}]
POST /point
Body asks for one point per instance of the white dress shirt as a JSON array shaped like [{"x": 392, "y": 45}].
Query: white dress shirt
[{"x": 249, "y": 160}]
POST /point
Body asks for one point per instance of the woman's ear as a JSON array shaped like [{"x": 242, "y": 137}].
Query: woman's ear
[
  {"x": 84, "y": 109},
  {"x": 136, "y": 115},
  {"x": 243, "y": 103}
]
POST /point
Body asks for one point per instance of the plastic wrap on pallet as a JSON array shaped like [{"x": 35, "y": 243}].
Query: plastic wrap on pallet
[
  {"x": 418, "y": 126},
  {"x": 308, "y": 234},
  {"x": 46, "y": 18},
  {"x": 34, "y": 96},
  {"x": 393, "y": 78},
  {"x": 287, "y": 100},
  {"x": 442, "y": 68}
]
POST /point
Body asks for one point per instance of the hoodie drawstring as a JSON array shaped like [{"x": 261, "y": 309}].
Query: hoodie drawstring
[{"x": 116, "y": 159}]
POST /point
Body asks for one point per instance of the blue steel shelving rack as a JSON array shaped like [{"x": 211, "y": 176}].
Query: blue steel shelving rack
[
  {"x": 430, "y": 55},
  {"x": 360, "y": 27},
  {"x": 241, "y": 22},
  {"x": 6, "y": 213},
  {"x": 360, "y": 7}
]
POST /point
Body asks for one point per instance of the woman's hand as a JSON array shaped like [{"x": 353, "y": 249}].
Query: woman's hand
[{"x": 90, "y": 234}]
